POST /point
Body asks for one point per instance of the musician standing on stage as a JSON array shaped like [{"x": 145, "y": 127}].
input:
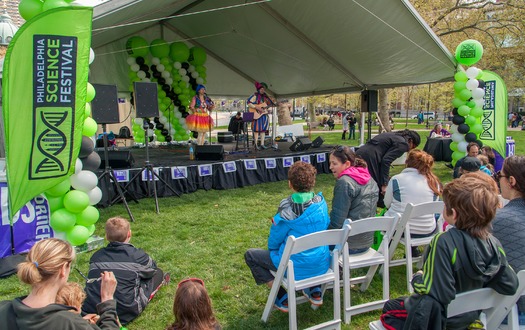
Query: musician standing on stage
[
  {"x": 258, "y": 103},
  {"x": 200, "y": 120}
]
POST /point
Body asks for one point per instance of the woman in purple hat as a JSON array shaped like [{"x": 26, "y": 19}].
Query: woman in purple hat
[
  {"x": 200, "y": 120},
  {"x": 258, "y": 103}
]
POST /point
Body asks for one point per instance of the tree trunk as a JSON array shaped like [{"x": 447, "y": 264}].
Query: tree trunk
[
  {"x": 283, "y": 113},
  {"x": 383, "y": 110}
]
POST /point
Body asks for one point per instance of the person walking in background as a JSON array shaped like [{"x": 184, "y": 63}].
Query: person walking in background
[
  {"x": 381, "y": 151},
  {"x": 200, "y": 120},
  {"x": 420, "y": 117},
  {"x": 259, "y": 103},
  {"x": 352, "y": 121},
  {"x": 509, "y": 224},
  {"x": 355, "y": 195},
  {"x": 302, "y": 213},
  {"x": 192, "y": 307}
]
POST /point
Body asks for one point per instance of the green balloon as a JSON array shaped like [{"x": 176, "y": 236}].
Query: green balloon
[
  {"x": 459, "y": 86},
  {"x": 165, "y": 61},
  {"x": 88, "y": 216},
  {"x": 137, "y": 46},
  {"x": 476, "y": 129},
  {"x": 476, "y": 112},
  {"x": 464, "y": 110},
  {"x": 461, "y": 76},
  {"x": 52, "y": 4},
  {"x": 30, "y": 8},
  {"x": 457, "y": 155},
  {"x": 457, "y": 102},
  {"x": 90, "y": 127},
  {"x": 87, "y": 110},
  {"x": 91, "y": 229},
  {"x": 471, "y": 104},
  {"x": 60, "y": 189},
  {"x": 76, "y": 201},
  {"x": 161, "y": 138},
  {"x": 197, "y": 56},
  {"x": 159, "y": 48},
  {"x": 454, "y": 146},
  {"x": 78, "y": 235},
  {"x": 179, "y": 52},
  {"x": 55, "y": 202},
  {"x": 90, "y": 92},
  {"x": 470, "y": 120},
  {"x": 62, "y": 220},
  {"x": 140, "y": 135},
  {"x": 465, "y": 94},
  {"x": 469, "y": 52}
]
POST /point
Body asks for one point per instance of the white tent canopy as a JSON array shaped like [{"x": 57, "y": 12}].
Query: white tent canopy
[{"x": 298, "y": 47}]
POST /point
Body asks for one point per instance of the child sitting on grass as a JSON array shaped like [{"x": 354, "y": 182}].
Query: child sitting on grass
[{"x": 300, "y": 214}]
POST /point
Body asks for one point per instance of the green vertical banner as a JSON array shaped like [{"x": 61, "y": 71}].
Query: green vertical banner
[
  {"x": 494, "y": 119},
  {"x": 44, "y": 97}
]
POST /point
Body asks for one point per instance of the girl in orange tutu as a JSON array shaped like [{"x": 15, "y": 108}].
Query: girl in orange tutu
[{"x": 200, "y": 120}]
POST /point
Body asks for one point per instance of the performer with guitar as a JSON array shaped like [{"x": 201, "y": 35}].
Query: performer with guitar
[
  {"x": 258, "y": 103},
  {"x": 200, "y": 120}
]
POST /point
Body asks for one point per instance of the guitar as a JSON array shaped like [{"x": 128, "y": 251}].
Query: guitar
[{"x": 258, "y": 113}]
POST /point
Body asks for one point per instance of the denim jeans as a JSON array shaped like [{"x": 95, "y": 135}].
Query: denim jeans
[{"x": 260, "y": 264}]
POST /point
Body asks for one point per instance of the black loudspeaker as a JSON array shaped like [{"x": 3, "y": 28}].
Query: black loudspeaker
[
  {"x": 117, "y": 159},
  {"x": 369, "y": 101},
  {"x": 104, "y": 107},
  {"x": 209, "y": 152},
  {"x": 317, "y": 142},
  {"x": 146, "y": 102},
  {"x": 301, "y": 144}
]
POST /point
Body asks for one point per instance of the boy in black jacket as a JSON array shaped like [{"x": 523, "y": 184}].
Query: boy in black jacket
[
  {"x": 137, "y": 274},
  {"x": 465, "y": 258}
]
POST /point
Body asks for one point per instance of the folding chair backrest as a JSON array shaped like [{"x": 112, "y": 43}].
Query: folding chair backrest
[
  {"x": 496, "y": 315},
  {"x": 371, "y": 224},
  {"x": 412, "y": 211}
]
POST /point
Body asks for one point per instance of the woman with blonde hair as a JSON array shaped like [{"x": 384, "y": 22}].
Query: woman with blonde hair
[
  {"x": 415, "y": 184},
  {"x": 46, "y": 269},
  {"x": 192, "y": 307}
]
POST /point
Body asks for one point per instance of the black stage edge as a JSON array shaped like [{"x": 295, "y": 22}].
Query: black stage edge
[{"x": 176, "y": 157}]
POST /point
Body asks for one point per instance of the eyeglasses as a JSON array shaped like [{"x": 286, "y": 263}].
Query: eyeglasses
[
  {"x": 499, "y": 176},
  {"x": 193, "y": 279}
]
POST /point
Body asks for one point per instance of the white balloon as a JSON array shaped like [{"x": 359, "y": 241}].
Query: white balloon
[
  {"x": 175, "y": 108},
  {"x": 146, "y": 80},
  {"x": 453, "y": 129},
  {"x": 472, "y": 84},
  {"x": 172, "y": 131},
  {"x": 462, "y": 146},
  {"x": 135, "y": 67},
  {"x": 151, "y": 132},
  {"x": 186, "y": 78},
  {"x": 138, "y": 121},
  {"x": 195, "y": 74},
  {"x": 458, "y": 137},
  {"x": 479, "y": 102},
  {"x": 78, "y": 166},
  {"x": 182, "y": 121},
  {"x": 478, "y": 93},
  {"x": 177, "y": 65},
  {"x": 200, "y": 80},
  {"x": 95, "y": 195},
  {"x": 91, "y": 55},
  {"x": 161, "y": 67},
  {"x": 141, "y": 74},
  {"x": 131, "y": 60},
  {"x": 472, "y": 72},
  {"x": 155, "y": 61},
  {"x": 178, "y": 114},
  {"x": 191, "y": 68},
  {"x": 169, "y": 81},
  {"x": 163, "y": 120},
  {"x": 165, "y": 74},
  {"x": 60, "y": 235},
  {"x": 182, "y": 72},
  {"x": 84, "y": 181}
]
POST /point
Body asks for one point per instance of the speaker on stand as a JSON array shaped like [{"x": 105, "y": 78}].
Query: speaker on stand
[
  {"x": 301, "y": 144},
  {"x": 369, "y": 104}
]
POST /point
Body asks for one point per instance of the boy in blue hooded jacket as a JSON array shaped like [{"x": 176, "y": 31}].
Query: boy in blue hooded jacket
[{"x": 302, "y": 213}]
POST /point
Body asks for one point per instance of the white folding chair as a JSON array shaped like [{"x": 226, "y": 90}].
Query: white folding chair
[
  {"x": 494, "y": 306},
  {"x": 366, "y": 259},
  {"x": 294, "y": 245},
  {"x": 402, "y": 236}
]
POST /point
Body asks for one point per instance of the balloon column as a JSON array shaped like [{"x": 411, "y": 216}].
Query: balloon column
[
  {"x": 73, "y": 214},
  {"x": 177, "y": 70},
  {"x": 468, "y": 99}
]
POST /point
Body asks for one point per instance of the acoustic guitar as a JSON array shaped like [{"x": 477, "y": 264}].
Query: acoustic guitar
[{"x": 258, "y": 113}]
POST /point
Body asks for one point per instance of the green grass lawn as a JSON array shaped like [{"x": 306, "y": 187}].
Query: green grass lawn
[{"x": 205, "y": 234}]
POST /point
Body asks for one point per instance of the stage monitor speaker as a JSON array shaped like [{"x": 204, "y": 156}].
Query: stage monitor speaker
[
  {"x": 317, "y": 142},
  {"x": 104, "y": 107},
  {"x": 369, "y": 101},
  {"x": 117, "y": 159},
  {"x": 301, "y": 144},
  {"x": 146, "y": 99},
  {"x": 209, "y": 152}
]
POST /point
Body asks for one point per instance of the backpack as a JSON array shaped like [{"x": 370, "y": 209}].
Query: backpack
[{"x": 124, "y": 132}]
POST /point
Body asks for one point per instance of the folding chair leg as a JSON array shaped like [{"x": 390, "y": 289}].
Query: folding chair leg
[
  {"x": 292, "y": 309},
  {"x": 369, "y": 277},
  {"x": 270, "y": 302},
  {"x": 408, "y": 253}
]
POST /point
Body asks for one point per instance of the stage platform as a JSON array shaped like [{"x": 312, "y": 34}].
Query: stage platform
[{"x": 238, "y": 167}]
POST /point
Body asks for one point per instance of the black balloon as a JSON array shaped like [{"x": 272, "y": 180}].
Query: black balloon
[
  {"x": 86, "y": 147},
  {"x": 480, "y": 144},
  {"x": 159, "y": 126},
  {"x": 168, "y": 138},
  {"x": 156, "y": 120},
  {"x": 132, "y": 101},
  {"x": 455, "y": 111},
  {"x": 157, "y": 75},
  {"x": 144, "y": 68},
  {"x": 470, "y": 137},
  {"x": 166, "y": 88},
  {"x": 182, "y": 108},
  {"x": 171, "y": 94},
  {"x": 161, "y": 80},
  {"x": 151, "y": 125},
  {"x": 195, "y": 134},
  {"x": 165, "y": 132},
  {"x": 151, "y": 139},
  {"x": 458, "y": 120},
  {"x": 185, "y": 114},
  {"x": 185, "y": 65},
  {"x": 140, "y": 60},
  {"x": 481, "y": 83},
  {"x": 463, "y": 128},
  {"x": 177, "y": 103},
  {"x": 91, "y": 162},
  {"x": 153, "y": 68}
]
